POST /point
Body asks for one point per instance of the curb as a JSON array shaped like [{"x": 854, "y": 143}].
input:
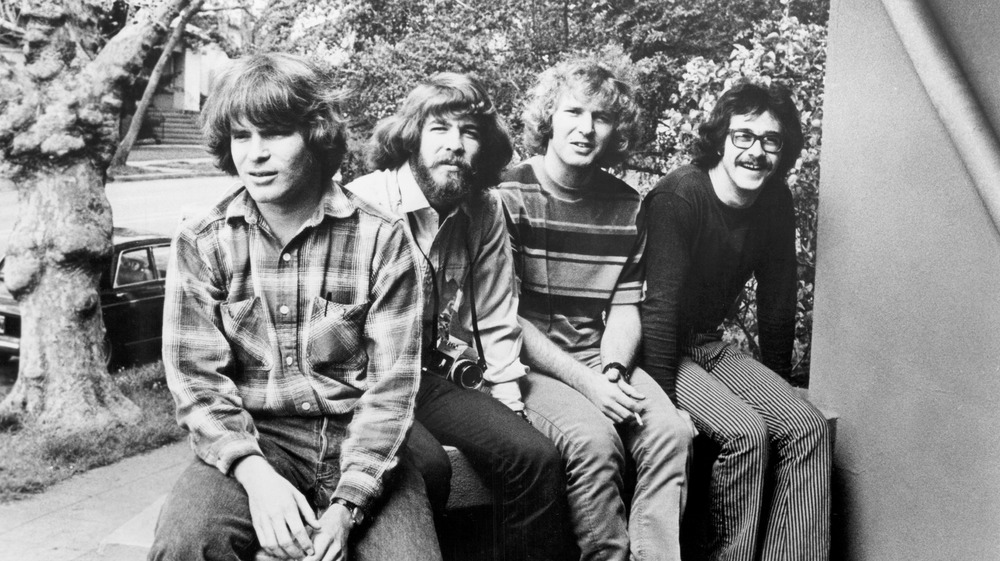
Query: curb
[{"x": 154, "y": 176}]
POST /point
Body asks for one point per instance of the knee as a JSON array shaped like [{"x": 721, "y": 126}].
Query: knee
[
  {"x": 595, "y": 447},
  {"x": 189, "y": 537},
  {"x": 808, "y": 425},
  {"x": 434, "y": 466},
  {"x": 747, "y": 437},
  {"x": 538, "y": 460}
]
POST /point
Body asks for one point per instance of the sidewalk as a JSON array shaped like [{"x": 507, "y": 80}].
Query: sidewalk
[
  {"x": 149, "y": 162},
  {"x": 71, "y": 520}
]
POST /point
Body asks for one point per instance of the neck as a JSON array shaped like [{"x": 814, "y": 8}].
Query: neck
[
  {"x": 568, "y": 177},
  {"x": 285, "y": 220},
  {"x": 727, "y": 192}
]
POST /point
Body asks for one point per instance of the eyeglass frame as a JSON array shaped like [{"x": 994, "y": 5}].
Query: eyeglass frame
[{"x": 757, "y": 138}]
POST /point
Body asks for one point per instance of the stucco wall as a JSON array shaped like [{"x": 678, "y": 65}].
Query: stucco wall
[{"x": 907, "y": 318}]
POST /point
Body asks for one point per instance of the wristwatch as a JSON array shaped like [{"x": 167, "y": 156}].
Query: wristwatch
[
  {"x": 357, "y": 515},
  {"x": 622, "y": 371}
]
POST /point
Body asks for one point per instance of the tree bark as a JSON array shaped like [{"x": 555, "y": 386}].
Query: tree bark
[
  {"x": 58, "y": 128},
  {"x": 125, "y": 146}
]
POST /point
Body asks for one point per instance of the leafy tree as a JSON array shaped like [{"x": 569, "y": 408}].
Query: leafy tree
[{"x": 59, "y": 112}]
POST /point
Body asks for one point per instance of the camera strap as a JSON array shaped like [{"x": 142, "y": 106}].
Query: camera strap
[{"x": 472, "y": 306}]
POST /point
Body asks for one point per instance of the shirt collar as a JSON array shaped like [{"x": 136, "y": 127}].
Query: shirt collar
[{"x": 334, "y": 204}]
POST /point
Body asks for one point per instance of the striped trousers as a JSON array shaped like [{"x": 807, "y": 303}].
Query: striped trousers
[{"x": 766, "y": 434}]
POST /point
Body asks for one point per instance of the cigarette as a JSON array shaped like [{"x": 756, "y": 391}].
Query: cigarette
[{"x": 638, "y": 419}]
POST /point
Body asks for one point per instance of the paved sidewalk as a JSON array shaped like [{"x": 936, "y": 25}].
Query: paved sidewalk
[{"x": 70, "y": 520}]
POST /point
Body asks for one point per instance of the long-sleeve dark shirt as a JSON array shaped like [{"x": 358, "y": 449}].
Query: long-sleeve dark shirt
[{"x": 700, "y": 253}]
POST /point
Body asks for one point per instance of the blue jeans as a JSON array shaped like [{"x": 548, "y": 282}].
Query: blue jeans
[
  {"x": 594, "y": 450},
  {"x": 207, "y": 514},
  {"x": 520, "y": 466}
]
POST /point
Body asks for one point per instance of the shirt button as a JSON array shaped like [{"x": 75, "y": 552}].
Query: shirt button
[
  {"x": 289, "y": 360},
  {"x": 306, "y": 406},
  {"x": 283, "y": 310},
  {"x": 286, "y": 258}
]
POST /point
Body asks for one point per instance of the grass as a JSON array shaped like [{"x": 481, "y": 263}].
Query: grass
[{"x": 31, "y": 460}]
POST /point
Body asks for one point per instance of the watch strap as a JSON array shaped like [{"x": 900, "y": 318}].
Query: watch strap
[{"x": 621, "y": 368}]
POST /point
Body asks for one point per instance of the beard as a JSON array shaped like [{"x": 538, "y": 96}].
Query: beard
[{"x": 454, "y": 189}]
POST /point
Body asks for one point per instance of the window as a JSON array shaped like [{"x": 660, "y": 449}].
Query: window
[
  {"x": 161, "y": 256},
  {"x": 134, "y": 267}
]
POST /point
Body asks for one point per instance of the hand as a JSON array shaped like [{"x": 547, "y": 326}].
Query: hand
[
  {"x": 330, "y": 540},
  {"x": 618, "y": 400},
  {"x": 277, "y": 509}
]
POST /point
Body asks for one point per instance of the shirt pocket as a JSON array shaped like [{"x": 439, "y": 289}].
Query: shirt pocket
[
  {"x": 246, "y": 326},
  {"x": 336, "y": 336}
]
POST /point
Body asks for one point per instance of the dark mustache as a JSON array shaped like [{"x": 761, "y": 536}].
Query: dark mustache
[
  {"x": 760, "y": 161},
  {"x": 465, "y": 166}
]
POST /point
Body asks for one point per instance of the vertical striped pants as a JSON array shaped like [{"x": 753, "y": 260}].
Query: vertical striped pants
[{"x": 766, "y": 432}]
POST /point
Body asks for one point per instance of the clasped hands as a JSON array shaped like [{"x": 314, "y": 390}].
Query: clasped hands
[{"x": 284, "y": 521}]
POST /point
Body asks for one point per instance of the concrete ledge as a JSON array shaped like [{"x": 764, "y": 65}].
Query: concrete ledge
[{"x": 133, "y": 539}]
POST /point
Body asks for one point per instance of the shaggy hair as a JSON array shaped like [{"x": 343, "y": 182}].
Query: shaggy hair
[
  {"x": 591, "y": 80},
  {"x": 748, "y": 98},
  {"x": 446, "y": 94},
  {"x": 275, "y": 91}
]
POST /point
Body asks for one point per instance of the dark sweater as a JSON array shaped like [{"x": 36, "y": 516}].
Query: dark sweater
[{"x": 699, "y": 255}]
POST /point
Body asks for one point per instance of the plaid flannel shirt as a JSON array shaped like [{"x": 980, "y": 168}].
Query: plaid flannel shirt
[{"x": 327, "y": 325}]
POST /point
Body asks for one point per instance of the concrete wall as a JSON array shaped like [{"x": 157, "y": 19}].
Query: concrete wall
[{"x": 907, "y": 317}]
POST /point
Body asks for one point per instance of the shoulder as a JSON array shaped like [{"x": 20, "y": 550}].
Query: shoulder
[
  {"x": 687, "y": 182},
  {"x": 371, "y": 187},
  {"x": 518, "y": 184},
  {"x": 368, "y": 210},
  {"x": 612, "y": 186},
  {"x": 199, "y": 224}
]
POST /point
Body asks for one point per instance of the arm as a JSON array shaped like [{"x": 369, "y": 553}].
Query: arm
[
  {"x": 777, "y": 290},
  {"x": 384, "y": 412},
  {"x": 198, "y": 359},
  {"x": 547, "y": 358},
  {"x": 492, "y": 271},
  {"x": 668, "y": 224}
]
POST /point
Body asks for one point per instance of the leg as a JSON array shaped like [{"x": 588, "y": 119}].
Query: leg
[
  {"x": 433, "y": 464},
  {"x": 660, "y": 448},
  {"x": 798, "y": 526},
  {"x": 403, "y": 527},
  {"x": 594, "y": 457},
  {"x": 522, "y": 467},
  {"x": 206, "y": 516},
  {"x": 738, "y": 474}
]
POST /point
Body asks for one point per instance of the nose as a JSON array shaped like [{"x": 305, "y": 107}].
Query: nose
[
  {"x": 259, "y": 148},
  {"x": 453, "y": 140},
  {"x": 586, "y": 123}
]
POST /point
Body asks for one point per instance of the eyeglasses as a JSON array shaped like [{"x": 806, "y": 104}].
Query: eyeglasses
[{"x": 743, "y": 139}]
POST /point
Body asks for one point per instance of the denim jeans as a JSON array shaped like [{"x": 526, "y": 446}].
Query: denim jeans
[
  {"x": 519, "y": 464},
  {"x": 207, "y": 514},
  {"x": 594, "y": 450}
]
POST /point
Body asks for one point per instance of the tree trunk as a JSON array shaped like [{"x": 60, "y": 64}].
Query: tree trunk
[
  {"x": 125, "y": 146},
  {"x": 58, "y": 128}
]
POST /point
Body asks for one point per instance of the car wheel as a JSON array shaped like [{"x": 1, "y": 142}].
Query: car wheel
[{"x": 108, "y": 353}]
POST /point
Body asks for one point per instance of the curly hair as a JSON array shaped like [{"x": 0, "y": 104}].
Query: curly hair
[
  {"x": 397, "y": 137},
  {"x": 275, "y": 90},
  {"x": 749, "y": 98},
  {"x": 595, "y": 80}
]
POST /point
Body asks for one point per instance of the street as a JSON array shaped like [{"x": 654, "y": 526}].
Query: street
[{"x": 155, "y": 205}]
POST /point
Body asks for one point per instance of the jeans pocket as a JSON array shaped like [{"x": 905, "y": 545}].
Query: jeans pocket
[
  {"x": 247, "y": 328},
  {"x": 336, "y": 336}
]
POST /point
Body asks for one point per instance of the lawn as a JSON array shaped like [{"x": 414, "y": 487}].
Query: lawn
[{"x": 31, "y": 460}]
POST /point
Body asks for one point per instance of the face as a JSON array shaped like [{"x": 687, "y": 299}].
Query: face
[
  {"x": 748, "y": 169},
  {"x": 275, "y": 165},
  {"x": 581, "y": 132},
  {"x": 449, "y": 146}
]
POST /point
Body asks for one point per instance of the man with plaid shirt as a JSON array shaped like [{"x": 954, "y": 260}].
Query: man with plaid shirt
[{"x": 291, "y": 343}]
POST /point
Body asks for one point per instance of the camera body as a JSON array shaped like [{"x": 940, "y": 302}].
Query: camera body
[{"x": 455, "y": 361}]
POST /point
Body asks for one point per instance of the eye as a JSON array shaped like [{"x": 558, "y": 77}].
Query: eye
[
  {"x": 602, "y": 118},
  {"x": 743, "y": 136},
  {"x": 471, "y": 132},
  {"x": 239, "y": 134}
]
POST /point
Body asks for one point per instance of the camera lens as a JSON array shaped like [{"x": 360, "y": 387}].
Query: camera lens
[{"x": 468, "y": 375}]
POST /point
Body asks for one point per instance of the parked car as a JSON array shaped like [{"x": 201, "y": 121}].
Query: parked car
[{"x": 131, "y": 290}]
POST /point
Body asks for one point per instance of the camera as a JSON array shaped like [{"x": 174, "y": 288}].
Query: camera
[{"x": 455, "y": 361}]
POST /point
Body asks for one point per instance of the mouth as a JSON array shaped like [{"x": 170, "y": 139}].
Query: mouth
[
  {"x": 754, "y": 165},
  {"x": 582, "y": 146},
  {"x": 262, "y": 174}
]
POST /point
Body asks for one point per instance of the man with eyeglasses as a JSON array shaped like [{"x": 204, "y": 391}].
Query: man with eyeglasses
[{"x": 710, "y": 227}]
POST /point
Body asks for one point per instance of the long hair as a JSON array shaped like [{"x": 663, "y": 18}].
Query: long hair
[
  {"x": 397, "y": 137},
  {"x": 595, "y": 81},
  {"x": 748, "y": 98},
  {"x": 276, "y": 90}
]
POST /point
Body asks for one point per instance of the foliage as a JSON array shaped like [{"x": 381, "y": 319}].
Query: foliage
[
  {"x": 793, "y": 54},
  {"x": 33, "y": 458}
]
